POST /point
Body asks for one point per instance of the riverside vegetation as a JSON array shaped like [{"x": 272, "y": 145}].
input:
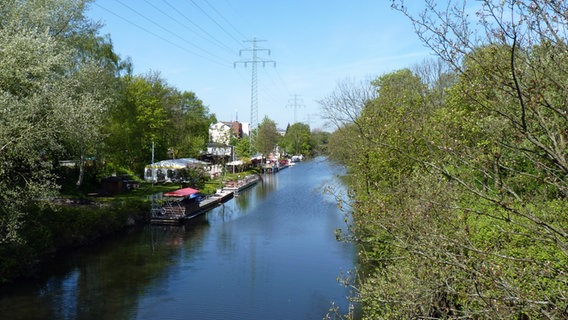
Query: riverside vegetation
[
  {"x": 458, "y": 167},
  {"x": 66, "y": 95}
]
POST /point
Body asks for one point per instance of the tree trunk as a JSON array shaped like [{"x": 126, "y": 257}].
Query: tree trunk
[{"x": 81, "y": 170}]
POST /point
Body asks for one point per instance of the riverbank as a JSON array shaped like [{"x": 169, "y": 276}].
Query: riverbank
[
  {"x": 63, "y": 226},
  {"x": 270, "y": 251},
  {"x": 68, "y": 223}
]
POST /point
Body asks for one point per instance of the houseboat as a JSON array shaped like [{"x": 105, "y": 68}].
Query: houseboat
[
  {"x": 242, "y": 184},
  {"x": 184, "y": 204}
]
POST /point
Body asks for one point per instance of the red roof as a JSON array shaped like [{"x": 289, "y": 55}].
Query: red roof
[{"x": 181, "y": 192}]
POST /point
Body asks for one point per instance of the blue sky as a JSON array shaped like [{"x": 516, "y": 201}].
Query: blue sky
[{"x": 194, "y": 44}]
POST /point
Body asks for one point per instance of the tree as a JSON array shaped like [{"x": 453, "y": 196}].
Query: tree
[
  {"x": 40, "y": 86},
  {"x": 460, "y": 208},
  {"x": 343, "y": 106},
  {"x": 297, "y": 139},
  {"x": 319, "y": 140},
  {"x": 267, "y": 136},
  {"x": 148, "y": 112},
  {"x": 137, "y": 121},
  {"x": 190, "y": 125},
  {"x": 94, "y": 82},
  {"x": 243, "y": 148}
]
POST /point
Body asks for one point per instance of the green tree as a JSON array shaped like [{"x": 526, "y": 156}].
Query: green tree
[
  {"x": 137, "y": 121},
  {"x": 297, "y": 139},
  {"x": 243, "y": 148},
  {"x": 150, "y": 111},
  {"x": 319, "y": 140},
  {"x": 41, "y": 86},
  {"x": 267, "y": 136},
  {"x": 190, "y": 125},
  {"x": 461, "y": 193}
]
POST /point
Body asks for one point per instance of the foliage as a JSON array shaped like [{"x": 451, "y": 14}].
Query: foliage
[
  {"x": 460, "y": 178},
  {"x": 243, "y": 147},
  {"x": 195, "y": 177},
  {"x": 149, "y": 112},
  {"x": 297, "y": 139},
  {"x": 343, "y": 106},
  {"x": 190, "y": 120},
  {"x": 267, "y": 136},
  {"x": 39, "y": 90},
  {"x": 319, "y": 141}
]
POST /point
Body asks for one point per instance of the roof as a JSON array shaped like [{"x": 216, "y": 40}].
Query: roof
[
  {"x": 181, "y": 192},
  {"x": 235, "y": 163},
  {"x": 177, "y": 163}
]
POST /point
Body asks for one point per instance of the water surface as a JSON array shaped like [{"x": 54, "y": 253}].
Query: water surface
[{"x": 269, "y": 253}]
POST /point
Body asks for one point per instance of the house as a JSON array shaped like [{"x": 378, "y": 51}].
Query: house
[
  {"x": 237, "y": 128},
  {"x": 220, "y": 133},
  {"x": 215, "y": 149},
  {"x": 223, "y": 131}
]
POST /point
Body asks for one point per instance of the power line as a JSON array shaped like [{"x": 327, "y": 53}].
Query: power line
[
  {"x": 166, "y": 30},
  {"x": 211, "y": 38},
  {"x": 295, "y": 103},
  {"x": 198, "y": 26},
  {"x": 282, "y": 81},
  {"x": 215, "y": 21},
  {"x": 157, "y": 35},
  {"x": 227, "y": 21},
  {"x": 254, "y": 81}
]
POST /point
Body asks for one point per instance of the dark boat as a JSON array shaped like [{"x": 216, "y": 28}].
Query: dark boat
[{"x": 186, "y": 203}]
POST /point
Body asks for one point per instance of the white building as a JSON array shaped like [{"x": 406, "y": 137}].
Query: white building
[
  {"x": 166, "y": 170},
  {"x": 220, "y": 133}
]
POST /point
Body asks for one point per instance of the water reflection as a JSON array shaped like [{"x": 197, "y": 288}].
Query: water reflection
[{"x": 269, "y": 253}]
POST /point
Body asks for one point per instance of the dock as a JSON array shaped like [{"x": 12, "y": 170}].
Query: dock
[{"x": 242, "y": 184}]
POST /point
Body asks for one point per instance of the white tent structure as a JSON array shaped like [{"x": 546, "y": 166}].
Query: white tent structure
[{"x": 165, "y": 170}]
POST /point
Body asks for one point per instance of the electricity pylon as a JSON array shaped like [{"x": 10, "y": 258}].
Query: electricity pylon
[
  {"x": 254, "y": 83},
  {"x": 295, "y": 103}
]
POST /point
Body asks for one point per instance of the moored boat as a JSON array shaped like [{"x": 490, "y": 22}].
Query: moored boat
[
  {"x": 241, "y": 184},
  {"x": 186, "y": 203}
]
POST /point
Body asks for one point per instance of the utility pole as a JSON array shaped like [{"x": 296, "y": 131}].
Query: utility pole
[
  {"x": 295, "y": 103},
  {"x": 254, "y": 82}
]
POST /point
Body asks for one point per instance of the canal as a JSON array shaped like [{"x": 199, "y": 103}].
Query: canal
[{"x": 269, "y": 253}]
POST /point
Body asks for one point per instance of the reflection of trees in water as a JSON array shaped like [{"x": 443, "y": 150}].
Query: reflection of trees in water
[
  {"x": 269, "y": 184},
  {"x": 131, "y": 275},
  {"x": 107, "y": 279},
  {"x": 248, "y": 197},
  {"x": 244, "y": 199}
]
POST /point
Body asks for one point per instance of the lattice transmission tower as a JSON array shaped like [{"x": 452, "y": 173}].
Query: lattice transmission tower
[
  {"x": 254, "y": 61},
  {"x": 296, "y": 102}
]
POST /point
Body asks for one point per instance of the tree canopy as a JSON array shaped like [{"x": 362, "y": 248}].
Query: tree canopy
[
  {"x": 65, "y": 95},
  {"x": 459, "y": 175},
  {"x": 267, "y": 137}
]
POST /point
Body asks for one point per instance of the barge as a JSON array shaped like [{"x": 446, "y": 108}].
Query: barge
[{"x": 242, "y": 184}]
